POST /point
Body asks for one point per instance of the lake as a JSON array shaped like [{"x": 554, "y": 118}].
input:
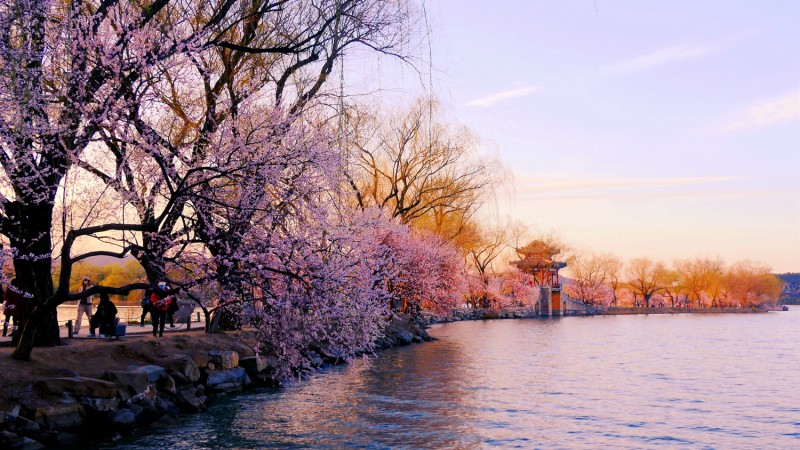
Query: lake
[{"x": 647, "y": 381}]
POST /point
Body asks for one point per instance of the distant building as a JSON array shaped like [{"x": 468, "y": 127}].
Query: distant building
[{"x": 537, "y": 260}]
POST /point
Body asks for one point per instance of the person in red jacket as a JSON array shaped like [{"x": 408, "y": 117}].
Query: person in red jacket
[{"x": 160, "y": 301}]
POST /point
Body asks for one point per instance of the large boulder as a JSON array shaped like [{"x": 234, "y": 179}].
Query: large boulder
[
  {"x": 136, "y": 380},
  {"x": 76, "y": 386},
  {"x": 191, "y": 399},
  {"x": 224, "y": 359},
  {"x": 201, "y": 359},
  {"x": 59, "y": 415},
  {"x": 231, "y": 380},
  {"x": 182, "y": 368},
  {"x": 22, "y": 424},
  {"x": 253, "y": 364}
]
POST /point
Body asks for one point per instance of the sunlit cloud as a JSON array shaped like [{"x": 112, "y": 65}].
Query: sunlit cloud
[
  {"x": 661, "y": 57},
  {"x": 492, "y": 99},
  {"x": 783, "y": 109}
]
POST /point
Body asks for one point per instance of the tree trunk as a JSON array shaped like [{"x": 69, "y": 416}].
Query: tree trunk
[{"x": 32, "y": 267}]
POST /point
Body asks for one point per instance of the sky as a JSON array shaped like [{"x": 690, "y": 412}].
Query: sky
[{"x": 659, "y": 129}]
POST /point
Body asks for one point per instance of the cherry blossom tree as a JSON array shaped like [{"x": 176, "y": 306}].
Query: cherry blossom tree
[
  {"x": 105, "y": 77},
  {"x": 424, "y": 270},
  {"x": 65, "y": 72}
]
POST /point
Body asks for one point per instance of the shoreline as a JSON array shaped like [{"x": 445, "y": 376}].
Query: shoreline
[
  {"x": 65, "y": 394},
  {"x": 462, "y": 314},
  {"x": 91, "y": 391}
]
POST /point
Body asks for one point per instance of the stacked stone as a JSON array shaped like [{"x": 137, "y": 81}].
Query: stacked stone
[{"x": 73, "y": 409}]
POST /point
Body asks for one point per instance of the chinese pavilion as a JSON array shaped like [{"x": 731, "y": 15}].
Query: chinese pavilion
[{"x": 537, "y": 259}]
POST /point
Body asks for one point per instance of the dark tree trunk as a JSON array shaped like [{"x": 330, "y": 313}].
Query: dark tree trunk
[{"x": 32, "y": 266}]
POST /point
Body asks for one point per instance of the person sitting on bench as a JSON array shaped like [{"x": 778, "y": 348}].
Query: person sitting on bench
[{"x": 104, "y": 317}]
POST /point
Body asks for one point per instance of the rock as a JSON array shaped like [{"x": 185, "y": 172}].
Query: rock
[
  {"x": 265, "y": 379},
  {"x": 253, "y": 364},
  {"x": 330, "y": 352},
  {"x": 145, "y": 410},
  {"x": 226, "y": 359},
  {"x": 201, "y": 359},
  {"x": 315, "y": 359},
  {"x": 123, "y": 418},
  {"x": 136, "y": 380},
  {"x": 188, "y": 399},
  {"x": 404, "y": 337},
  {"x": 23, "y": 424},
  {"x": 231, "y": 380},
  {"x": 183, "y": 369},
  {"x": 100, "y": 404},
  {"x": 165, "y": 406},
  {"x": 64, "y": 372},
  {"x": 68, "y": 439},
  {"x": 24, "y": 443},
  {"x": 7, "y": 436},
  {"x": 15, "y": 411},
  {"x": 76, "y": 386},
  {"x": 60, "y": 415},
  {"x": 228, "y": 386}
]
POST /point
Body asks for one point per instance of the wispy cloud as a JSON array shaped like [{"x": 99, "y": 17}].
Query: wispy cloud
[
  {"x": 549, "y": 184},
  {"x": 661, "y": 57},
  {"x": 785, "y": 108},
  {"x": 491, "y": 99}
]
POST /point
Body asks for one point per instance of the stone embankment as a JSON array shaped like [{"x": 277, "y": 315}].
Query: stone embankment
[
  {"x": 480, "y": 314},
  {"x": 73, "y": 408}
]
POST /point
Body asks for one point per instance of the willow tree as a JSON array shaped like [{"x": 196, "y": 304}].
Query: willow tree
[
  {"x": 647, "y": 278},
  {"x": 421, "y": 170}
]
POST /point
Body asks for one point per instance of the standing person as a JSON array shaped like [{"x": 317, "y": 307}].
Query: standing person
[
  {"x": 171, "y": 310},
  {"x": 146, "y": 306},
  {"x": 84, "y": 305},
  {"x": 11, "y": 307},
  {"x": 160, "y": 301},
  {"x": 103, "y": 317}
]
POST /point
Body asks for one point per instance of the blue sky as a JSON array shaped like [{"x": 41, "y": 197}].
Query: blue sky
[{"x": 663, "y": 129}]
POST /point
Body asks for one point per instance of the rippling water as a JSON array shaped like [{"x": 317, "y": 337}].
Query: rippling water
[{"x": 682, "y": 381}]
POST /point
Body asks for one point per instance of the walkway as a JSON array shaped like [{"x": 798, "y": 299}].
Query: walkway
[{"x": 132, "y": 331}]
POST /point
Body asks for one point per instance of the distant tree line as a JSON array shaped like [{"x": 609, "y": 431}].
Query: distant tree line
[
  {"x": 791, "y": 288},
  {"x": 604, "y": 280}
]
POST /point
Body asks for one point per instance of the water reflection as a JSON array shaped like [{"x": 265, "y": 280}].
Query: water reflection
[{"x": 623, "y": 382}]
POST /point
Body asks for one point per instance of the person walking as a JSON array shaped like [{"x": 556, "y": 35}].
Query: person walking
[
  {"x": 160, "y": 300},
  {"x": 12, "y": 304},
  {"x": 84, "y": 305},
  {"x": 146, "y": 306}
]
